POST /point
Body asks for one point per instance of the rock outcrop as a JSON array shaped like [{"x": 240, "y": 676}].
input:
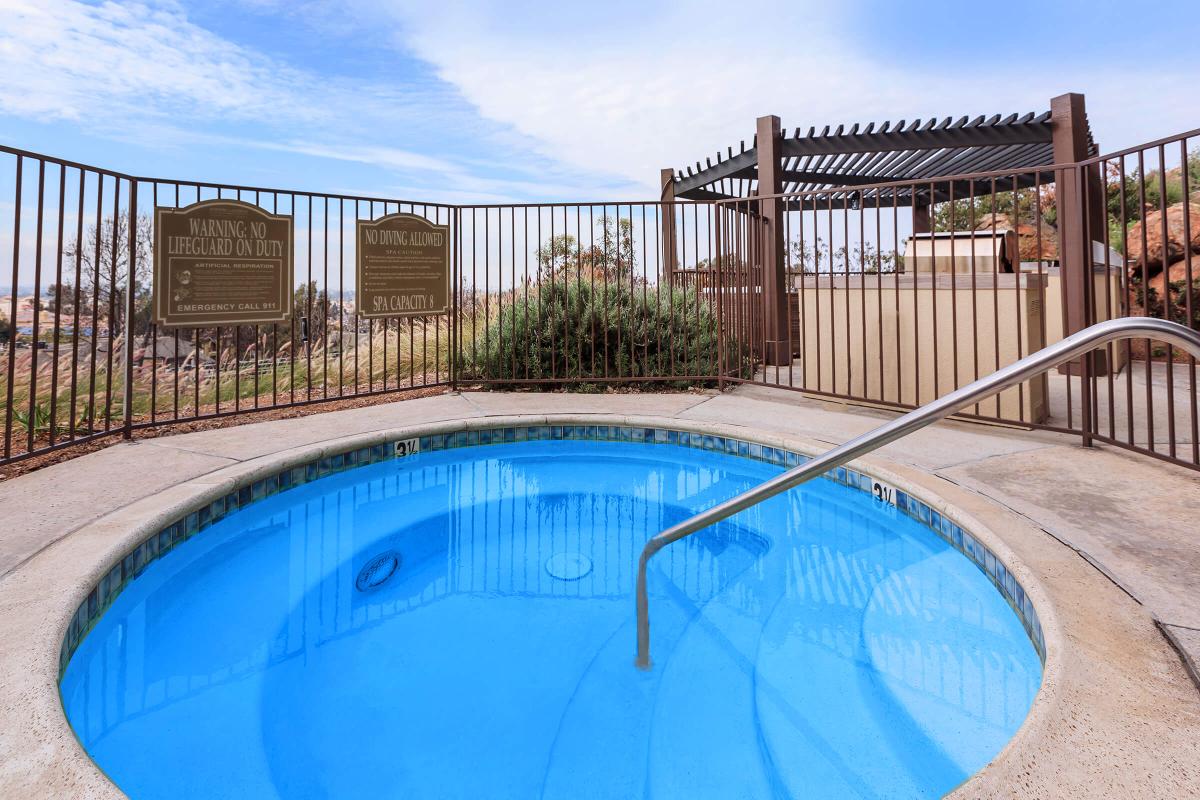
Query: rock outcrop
[
  {"x": 1176, "y": 273},
  {"x": 1176, "y": 244},
  {"x": 1033, "y": 243}
]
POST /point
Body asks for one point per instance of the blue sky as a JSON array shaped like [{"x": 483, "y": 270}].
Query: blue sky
[{"x": 494, "y": 101}]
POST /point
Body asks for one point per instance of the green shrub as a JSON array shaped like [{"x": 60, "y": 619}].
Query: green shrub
[
  {"x": 1183, "y": 298},
  {"x": 582, "y": 329}
]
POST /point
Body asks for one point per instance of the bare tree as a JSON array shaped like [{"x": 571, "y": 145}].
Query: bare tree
[{"x": 104, "y": 271}]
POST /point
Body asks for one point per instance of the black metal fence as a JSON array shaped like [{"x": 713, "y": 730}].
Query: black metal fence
[
  {"x": 894, "y": 294},
  {"x": 83, "y": 357},
  {"x": 886, "y": 294}
]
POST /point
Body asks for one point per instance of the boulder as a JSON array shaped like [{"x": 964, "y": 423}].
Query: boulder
[
  {"x": 1177, "y": 272},
  {"x": 1176, "y": 246},
  {"x": 1028, "y": 236}
]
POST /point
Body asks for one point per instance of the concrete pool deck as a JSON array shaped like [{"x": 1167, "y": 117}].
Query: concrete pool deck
[{"x": 1109, "y": 536}]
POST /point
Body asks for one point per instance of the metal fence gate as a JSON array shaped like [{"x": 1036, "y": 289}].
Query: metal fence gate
[{"x": 876, "y": 305}]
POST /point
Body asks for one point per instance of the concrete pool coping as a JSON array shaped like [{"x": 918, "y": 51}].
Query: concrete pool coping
[{"x": 1116, "y": 714}]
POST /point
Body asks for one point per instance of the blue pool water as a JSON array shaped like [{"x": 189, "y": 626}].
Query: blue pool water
[{"x": 460, "y": 624}]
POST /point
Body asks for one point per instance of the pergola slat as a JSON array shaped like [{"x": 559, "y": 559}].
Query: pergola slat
[{"x": 923, "y": 149}]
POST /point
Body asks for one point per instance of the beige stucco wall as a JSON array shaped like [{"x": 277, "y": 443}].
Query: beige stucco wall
[
  {"x": 1108, "y": 306},
  {"x": 962, "y": 251},
  {"x": 911, "y": 339}
]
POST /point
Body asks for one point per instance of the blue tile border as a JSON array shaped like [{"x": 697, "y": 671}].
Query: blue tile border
[{"x": 170, "y": 536}]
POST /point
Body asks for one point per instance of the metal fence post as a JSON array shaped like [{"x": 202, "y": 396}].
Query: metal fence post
[
  {"x": 456, "y": 300},
  {"x": 774, "y": 308},
  {"x": 1078, "y": 294},
  {"x": 667, "y": 202},
  {"x": 718, "y": 265},
  {"x": 130, "y": 308}
]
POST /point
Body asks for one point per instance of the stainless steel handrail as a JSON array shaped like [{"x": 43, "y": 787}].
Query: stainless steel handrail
[{"x": 1028, "y": 367}]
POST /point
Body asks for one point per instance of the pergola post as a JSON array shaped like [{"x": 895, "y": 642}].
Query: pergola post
[
  {"x": 775, "y": 299},
  {"x": 670, "y": 254},
  {"x": 921, "y": 221},
  {"x": 1080, "y": 222}
]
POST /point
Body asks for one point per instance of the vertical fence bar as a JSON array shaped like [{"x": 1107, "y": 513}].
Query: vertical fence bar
[
  {"x": 1019, "y": 317},
  {"x": 716, "y": 266},
  {"x": 1126, "y": 300},
  {"x": 62, "y": 190},
  {"x": 152, "y": 332},
  {"x": 933, "y": 296},
  {"x": 1166, "y": 290},
  {"x": 1110, "y": 349},
  {"x": 9, "y": 410},
  {"x": 130, "y": 308},
  {"x": 31, "y": 423},
  {"x": 800, "y": 278},
  {"x": 455, "y": 300},
  {"x": 915, "y": 222},
  {"x": 879, "y": 291},
  {"x": 1085, "y": 364},
  {"x": 731, "y": 290},
  {"x": 1189, "y": 287},
  {"x": 896, "y": 299},
  {"x": 1147, "y": 344},
  {"x": 78, "y": 254},
  {"x": 995, "y": 297},
  {"x": 971, "y": 223}
]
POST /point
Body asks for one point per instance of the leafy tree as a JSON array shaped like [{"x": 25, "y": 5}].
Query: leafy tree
[
  {"x": 811, "y": 258},
  {"x": 1125, "y": 193},
  {"x": 612, "y": 255},
  {"x": 61, "y": 298},
  {"x": 1021, "y": 206},
  {"x": 311, "y": 302}
]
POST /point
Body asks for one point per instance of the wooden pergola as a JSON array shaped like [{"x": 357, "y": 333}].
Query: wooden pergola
[
  {"x": 907, "y": 151},
  {"x": 925, "y": 161}
]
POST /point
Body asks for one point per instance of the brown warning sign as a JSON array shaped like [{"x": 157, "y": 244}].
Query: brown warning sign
[
  {"x": 403, "y": 267},
  {"x": 221, "y": 262}
]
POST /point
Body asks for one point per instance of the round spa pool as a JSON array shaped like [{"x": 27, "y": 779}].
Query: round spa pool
[{"x": 460, "y": 624}]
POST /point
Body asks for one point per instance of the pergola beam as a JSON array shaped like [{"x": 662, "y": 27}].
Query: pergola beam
[
  {"x": 840, "y": 157},
  {"x": 834, "y": 178},
  {"x": 1035, "y": 131},
  {"x": 905, "y": 192},
  {"x": 706, "y": 195},
  {"x": 727, "y": 168}
]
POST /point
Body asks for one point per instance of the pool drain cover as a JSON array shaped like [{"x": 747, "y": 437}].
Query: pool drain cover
[
  {"x": 568, "y": 566},
  {"x": 377, "y": 571}
]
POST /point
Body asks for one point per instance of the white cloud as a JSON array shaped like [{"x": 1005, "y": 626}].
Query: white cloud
[
  {"x": 578, "y": 101},
  {"x": 388, "y": 157},
  {"x": 143, "y": 72},
  {"x": 70, "y": 60},
  {"x": 631, "y": 89}
]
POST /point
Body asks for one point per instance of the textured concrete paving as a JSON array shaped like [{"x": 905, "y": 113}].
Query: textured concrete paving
[
  {"x": 42, "y": 507},
  {"x": 1117, "y": 716},
  {"x": 55, "y": 501},
  {"x": 1188, "y": 641},
  {"x": 1128, "y": 392},
  {"x": 1136, "y": 518},
  {"x": 1133, "y": 517}
]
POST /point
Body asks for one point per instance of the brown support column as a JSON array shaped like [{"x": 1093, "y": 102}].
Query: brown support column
[
  {"x": 775, "y": 299},
  {"x": 1080, "y": 222},
  {"x": 922, "y": 223},
  {"x": 670, "y": 254}
]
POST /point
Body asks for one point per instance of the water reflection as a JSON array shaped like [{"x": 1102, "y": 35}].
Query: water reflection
[{"x": 843, "y": 629}]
